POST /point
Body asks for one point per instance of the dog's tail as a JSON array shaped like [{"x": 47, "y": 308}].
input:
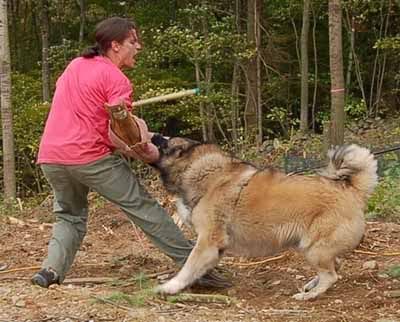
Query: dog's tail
[{"x": 354, "y": 164}]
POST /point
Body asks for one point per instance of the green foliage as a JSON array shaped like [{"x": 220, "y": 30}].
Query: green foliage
[
  {"x": 61, "y": 55},
  {"x": 385, "y": 201},
  {"x": 355, "y": 108},
  {"x": 187, "y": 39},
  {"x": 392, "y": 43},
  {"x": 29, "y": 117},
  {"x": 283, "y": 117}
]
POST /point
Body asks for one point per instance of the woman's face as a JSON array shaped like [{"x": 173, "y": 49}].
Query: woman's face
[{"x": 128, "y": 50}]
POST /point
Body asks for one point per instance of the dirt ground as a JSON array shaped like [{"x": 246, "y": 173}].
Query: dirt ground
[{"x": 116, "y": 265}]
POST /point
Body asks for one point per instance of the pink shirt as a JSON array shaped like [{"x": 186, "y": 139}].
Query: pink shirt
[{"x": 76, "y": 130}]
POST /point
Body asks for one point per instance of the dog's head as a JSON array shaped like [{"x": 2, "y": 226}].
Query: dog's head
[
  {"x": 175, "y": 155},
  {"x": 173, "y": 149}
]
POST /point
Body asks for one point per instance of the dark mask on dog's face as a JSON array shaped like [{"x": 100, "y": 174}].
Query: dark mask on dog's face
[
  {"x": 177, "y": 146},
  {"x": 159, "y": 141}
]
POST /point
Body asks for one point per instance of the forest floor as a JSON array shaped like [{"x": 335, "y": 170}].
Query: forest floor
[{"x": 116, "y": 266}]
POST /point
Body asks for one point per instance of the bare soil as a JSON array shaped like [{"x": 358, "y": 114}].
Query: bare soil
[{"x": 120, "y": 257}]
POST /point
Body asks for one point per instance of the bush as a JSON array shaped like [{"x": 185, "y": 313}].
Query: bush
[
  {"x": 29, "y": 116},
  {"x": 385, "y": 201}
]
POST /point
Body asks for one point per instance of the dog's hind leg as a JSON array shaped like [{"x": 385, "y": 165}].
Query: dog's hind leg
[
  {"x": 325, "y": 264},
  {"x": 203, "y": 257},
  {"x": 314, "y": 282}
]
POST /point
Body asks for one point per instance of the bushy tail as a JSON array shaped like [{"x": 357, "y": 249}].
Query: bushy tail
[{"x": 354, "y": 164}]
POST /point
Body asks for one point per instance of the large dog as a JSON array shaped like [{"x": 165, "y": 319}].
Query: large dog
[{"x": 233, "y": 205}]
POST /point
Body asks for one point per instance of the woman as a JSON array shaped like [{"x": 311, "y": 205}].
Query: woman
[{"x": 76, "y": 154}]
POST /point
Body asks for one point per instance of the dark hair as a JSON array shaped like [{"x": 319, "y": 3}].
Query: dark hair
[{"x": 108, "y": 30}]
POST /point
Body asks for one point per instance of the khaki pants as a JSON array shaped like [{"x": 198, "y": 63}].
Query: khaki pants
[{"x": 112, "y": 178}]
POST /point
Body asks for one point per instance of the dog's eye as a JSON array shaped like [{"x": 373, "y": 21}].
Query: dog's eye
[
  {"x": 171, "y": 151},
  {"x": 176, "y": 151}
]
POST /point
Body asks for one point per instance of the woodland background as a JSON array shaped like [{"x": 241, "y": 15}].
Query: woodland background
[
  {"x": 281, "y": 81},
  {"x": 272, "y": 73}
]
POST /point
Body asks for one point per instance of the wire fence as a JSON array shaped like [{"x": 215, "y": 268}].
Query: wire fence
[{"x": 298, "y": 164}]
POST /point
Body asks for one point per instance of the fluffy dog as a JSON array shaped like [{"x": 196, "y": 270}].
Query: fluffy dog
[{"x": 232, "y": 205}]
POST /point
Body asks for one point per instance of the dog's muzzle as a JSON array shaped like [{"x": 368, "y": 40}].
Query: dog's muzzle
[{"x": 159, "y": 141}]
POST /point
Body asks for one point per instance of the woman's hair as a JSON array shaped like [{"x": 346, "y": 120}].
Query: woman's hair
[{"x": 108, "y": 30}]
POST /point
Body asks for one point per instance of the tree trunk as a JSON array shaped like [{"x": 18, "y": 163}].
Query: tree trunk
[
  {"x": 351, "y": 33},
  {"x": 82, "y": 20},
  {"x": 208, "y": 77},
  {"x": 234, "y": 104},
  {"x": 44, "y": 29},
  {"x": 10, "y": 191},
  {"x": 357, "y": 68},
  {"x": 14, "y": 6},
  {"x": 304, "y": 66},
  {"x": 314, "y": 103},
  {"x": 252, "y": 107},
  {"x": 201, "y": 105},
  {"x": 336, "y": 69}
]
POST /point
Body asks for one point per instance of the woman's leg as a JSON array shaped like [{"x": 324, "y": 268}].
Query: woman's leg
[
  {"x": 71, "y": 210},
  {"x": 112, "y": 177}
]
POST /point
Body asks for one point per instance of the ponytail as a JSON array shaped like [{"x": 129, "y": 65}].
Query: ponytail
[{"x": 91, "y": 52}]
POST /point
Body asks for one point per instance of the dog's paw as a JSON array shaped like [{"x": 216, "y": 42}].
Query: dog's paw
[
  {"x": 304, "y": 296},
  {"x": 169, "y": 288},
  {"x": 311, "y": 284}
]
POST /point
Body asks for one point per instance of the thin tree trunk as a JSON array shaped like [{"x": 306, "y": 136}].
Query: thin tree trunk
[
  {"x": 209, "y": 107},
  {"x": 44, "y": 15},
  {"x": 296, "y": 35},
  {"x": 14, "y": 34},
  {"x": 10, "y": 191},
  {"x": 357, "y": 68},
  {"x": 258, "y": 46},
  {"x": 252, "y": 104},
  {"x": 314, "y": 103},
  {"x": 208, "y": 77},
  {"x": 304, "y": 66},
  {"x": 374, "y": 71},
  {"x": 82, "y": 20},
  {"x": 201, "y": 105},
  {"x": 381, "y": 74},
  {"x": 350, "y": 62},
  {"x": 235, "y": 85},
  {"x": 337, "y": 77},
  {"x": 234, "y": 104}
]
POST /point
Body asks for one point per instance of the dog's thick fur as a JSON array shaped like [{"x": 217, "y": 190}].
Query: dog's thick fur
[{"x": 234, "y": 206}]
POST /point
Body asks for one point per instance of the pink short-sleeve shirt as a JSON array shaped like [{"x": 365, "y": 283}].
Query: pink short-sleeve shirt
[{"x": 76, "y": 130}]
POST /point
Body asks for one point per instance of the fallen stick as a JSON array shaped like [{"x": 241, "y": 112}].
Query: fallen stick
[
  {"x": 358, "y": 251},
  {"x": 30, "y": 268},
  {"x": 284, "y": 312},
  {"x": 89, "y": 280},
  {"x": 201, "y": 298},
  {"x": 271, "y": 259}
]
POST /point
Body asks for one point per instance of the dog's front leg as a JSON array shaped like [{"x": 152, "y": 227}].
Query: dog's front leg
[{"x": 203, "y": 257}]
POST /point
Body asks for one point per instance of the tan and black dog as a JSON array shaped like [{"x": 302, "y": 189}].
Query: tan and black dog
[{"x": 232, "y": 205}]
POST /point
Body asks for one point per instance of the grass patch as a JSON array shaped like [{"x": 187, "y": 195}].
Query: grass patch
[
  {"x": 394, "y": 271},
  {"x": 137, "y": 299}
]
